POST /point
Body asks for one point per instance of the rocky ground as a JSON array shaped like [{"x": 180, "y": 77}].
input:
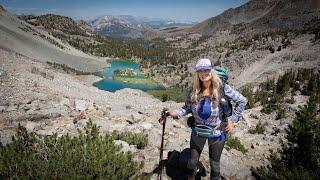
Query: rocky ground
[{"x": 47, "y": 101}]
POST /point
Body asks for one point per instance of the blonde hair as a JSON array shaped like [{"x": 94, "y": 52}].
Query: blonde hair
[{"x": 197, "y": 87}]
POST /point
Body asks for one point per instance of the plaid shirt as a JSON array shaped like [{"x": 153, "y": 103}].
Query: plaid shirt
[{"x": 234, "y": 95}]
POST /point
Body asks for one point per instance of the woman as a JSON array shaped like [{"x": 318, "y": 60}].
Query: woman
[{"x": 204, "y": 104}]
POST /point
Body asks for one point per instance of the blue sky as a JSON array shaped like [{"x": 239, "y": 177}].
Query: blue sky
[{"x": 182, "y": 10}]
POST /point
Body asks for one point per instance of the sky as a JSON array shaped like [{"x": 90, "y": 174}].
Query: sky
[{"x": 179, "y": 10}]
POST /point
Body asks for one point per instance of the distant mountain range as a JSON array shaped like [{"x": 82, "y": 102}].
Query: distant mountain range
[{"x": 130, "y": 26}]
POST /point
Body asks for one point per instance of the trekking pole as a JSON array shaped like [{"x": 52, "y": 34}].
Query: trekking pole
[{"x": 163, "y": 119}]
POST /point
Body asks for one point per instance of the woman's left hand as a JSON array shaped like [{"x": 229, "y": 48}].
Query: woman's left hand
[{"x": 230, "y": 126}]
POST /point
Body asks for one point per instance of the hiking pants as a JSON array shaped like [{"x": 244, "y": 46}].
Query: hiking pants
[{"x": 215, "y": 151}]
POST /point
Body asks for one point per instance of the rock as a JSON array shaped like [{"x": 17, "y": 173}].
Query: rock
[
  {"x": 81, "y": 105},
  {"x": 6, "y": 136},
  {"x": 82, "y": 122},
  {"x": 102, "y": 123},
  {"x": 26, "y": 107},
  {"x": 4, "y": 103},
  {"x": 12, "y": 107},
  {"x": 64, "y": 101},
  {"x": 3, "y": 108},
  {"x": 125, "y": 147},
  {"x": 36, "y": 70},
  {"x": 146, "y": 125},
  {"x": 275, "y": 131},
  {"x": 176, "y": 124},
  {"x": 45, "y": 132},
  {"x": 57, "y": 109},
  {"x": 254, "y": 116},
  {"x": 27, "y": 101},
  {"x": 2, "y": 72},
  {"x": 31, "y": 126},
  {"x": 236, "y": 152}
]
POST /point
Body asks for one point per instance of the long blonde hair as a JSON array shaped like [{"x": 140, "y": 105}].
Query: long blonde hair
[{"x": 197, "y": 87}]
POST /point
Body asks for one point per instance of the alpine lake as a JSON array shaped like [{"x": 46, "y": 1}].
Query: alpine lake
[{"x": 125, "y": 74}]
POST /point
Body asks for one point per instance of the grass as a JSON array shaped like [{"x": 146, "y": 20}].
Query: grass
[
  {"x": 148, "y": 81},
  {"x": 174, "y": 94},
  {"x": 259, "y": 129},
  {"x": 235, "y": 143}
]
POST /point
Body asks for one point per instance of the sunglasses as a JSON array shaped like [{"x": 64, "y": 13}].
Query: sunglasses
[{"x": 204, "y": 70}]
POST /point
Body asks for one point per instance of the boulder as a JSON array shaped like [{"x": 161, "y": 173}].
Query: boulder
[
  {"x": 81, "y": 105},
  {"x": 82, "y": 122},
  {"x": 31, "y": 126},
  {"x": 125, "y": 147},
  {"x": 2, "y": 72},
  {"x": 146, "y": 125},
  {"x": 104, "y": 124}
]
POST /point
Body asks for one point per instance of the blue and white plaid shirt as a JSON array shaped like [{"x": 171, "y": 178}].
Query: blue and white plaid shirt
[{"x": 214, "y": 120}]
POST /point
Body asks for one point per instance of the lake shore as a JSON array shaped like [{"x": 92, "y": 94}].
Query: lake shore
[{"x": 149, "y": 82}]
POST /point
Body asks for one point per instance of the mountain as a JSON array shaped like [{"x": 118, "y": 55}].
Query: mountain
[
  {"x": 52, "y": 22},
  {"x": 84, "y": 25},
  {"x": 255, "y": 40},
  {"x": 120, "y": 26},
  {"x": 155, "y": 23},
  {"x": 36, "y": 43},
  {"x": 261, "y": 15},
  {"x": 131, "y": 26}
]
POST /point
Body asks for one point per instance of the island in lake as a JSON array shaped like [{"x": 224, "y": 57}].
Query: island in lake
[{"x": 129, "y": 76}]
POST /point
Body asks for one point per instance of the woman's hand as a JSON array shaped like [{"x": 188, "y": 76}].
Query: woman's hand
[
  {"x": 169, "y": 114},
  {"x": 230, "y": 126}
]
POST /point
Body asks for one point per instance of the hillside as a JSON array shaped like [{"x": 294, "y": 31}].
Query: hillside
[
  {"x": 274, "y": 33},
  {"x": 22, "y": 38},
  {"x": 260, "y": 16}
]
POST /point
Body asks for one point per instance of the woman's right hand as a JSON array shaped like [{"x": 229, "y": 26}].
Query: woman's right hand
[
  {"x": 169, "y": 114},
  {"x": 172, "y": 114}
]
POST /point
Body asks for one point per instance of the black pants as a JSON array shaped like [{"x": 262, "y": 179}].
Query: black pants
[{"x": 215, "y": 151}]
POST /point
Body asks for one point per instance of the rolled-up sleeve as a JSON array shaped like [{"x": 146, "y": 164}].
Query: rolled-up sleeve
[
  {"x": 240, "y": 101},
  {"x": 186, "y": 109}
]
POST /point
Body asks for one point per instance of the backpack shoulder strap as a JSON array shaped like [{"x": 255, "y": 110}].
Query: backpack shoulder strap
[{"x": 222, "y": 93}]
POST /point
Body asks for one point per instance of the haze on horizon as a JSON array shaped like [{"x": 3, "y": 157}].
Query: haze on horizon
[{"x": 178, "y": 10}]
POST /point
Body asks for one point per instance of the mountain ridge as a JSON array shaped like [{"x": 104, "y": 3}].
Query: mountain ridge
[{"x": 257, "y": 16}]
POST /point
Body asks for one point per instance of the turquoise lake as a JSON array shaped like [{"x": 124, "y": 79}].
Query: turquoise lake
[{"x": 111, "y": 85}]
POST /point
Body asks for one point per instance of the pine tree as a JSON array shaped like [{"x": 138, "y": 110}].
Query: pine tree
[{"x": 299, "y": 159}]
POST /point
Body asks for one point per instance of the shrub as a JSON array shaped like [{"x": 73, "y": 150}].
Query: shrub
[
  {"x": 259, "y": 129},
  {"x": 165, "y": 97},
  {"x": 235, "y": 143},
  {"x": 87, "y": 156},
  {"x": 300, "y": 157},
  {"x": 281, "y": 113},
  {"x": 248, "y": 93},
  {"x": 69, "y": 70}
]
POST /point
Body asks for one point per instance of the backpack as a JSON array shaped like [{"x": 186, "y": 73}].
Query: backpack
[
  {"x": 225, "y": 102},
  {"x": 176, "y": 166}
]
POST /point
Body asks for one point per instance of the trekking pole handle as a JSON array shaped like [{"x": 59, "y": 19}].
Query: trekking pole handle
[{"x": 164, "y": 115}]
